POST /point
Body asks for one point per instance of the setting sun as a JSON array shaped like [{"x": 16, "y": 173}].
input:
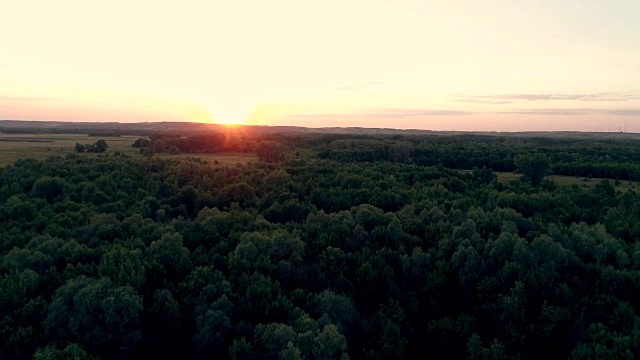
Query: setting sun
[
  {"x": 229, "y": 111},
  {"x": 229, "y": 122},
  {"x": 230, "y": 125},
  {"x": 327, "y": 179},
  {"x": 238, "y": 62}
]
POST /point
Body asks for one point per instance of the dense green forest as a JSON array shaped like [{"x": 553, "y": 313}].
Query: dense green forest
[{"x": 330, "y": 247}]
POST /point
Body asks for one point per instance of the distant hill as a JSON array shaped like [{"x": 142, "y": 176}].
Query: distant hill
[{"x": 188, "y": 128}]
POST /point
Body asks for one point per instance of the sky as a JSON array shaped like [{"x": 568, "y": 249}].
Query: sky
[{"x": 490, "y": 65}]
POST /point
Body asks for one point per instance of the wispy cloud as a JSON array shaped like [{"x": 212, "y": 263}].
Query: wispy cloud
[
  {"x": 547, "y": 112},
  {"x": 400, "y": 113},
  {"x": 19, "y": 100},
  {"x": 47, "y": 101},
  {"x": 512, "y": 98},
  {"x": 404, "y": 113},
  {"x": 22, "y": 101},
  {"x": 482, "y": 101},
  {"x": 623, "y": 112},
  {"x": 378, "y": 117},
  {"x": 360, "y": 86},
  {"x": 387, "y": 114},
  {"x": 572, "y": 112}
]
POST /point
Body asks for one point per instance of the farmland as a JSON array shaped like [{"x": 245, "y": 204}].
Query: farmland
[{"x": 42, "y": 146}]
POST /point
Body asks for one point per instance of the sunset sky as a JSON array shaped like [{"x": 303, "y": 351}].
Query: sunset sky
[{"x": 424, "y": 64}]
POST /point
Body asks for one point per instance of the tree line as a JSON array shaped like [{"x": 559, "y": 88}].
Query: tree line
[
  {"x": 160, "y": 143},
  {"x": 606, "y": 158},
  {"x": 99, "y": 146}
]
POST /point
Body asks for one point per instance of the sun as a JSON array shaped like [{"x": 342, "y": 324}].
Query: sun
[
  {"x": 228, "y": 122},
  {"x": 229, "y": 112}
]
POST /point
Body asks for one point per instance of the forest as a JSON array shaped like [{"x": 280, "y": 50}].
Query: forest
[{"x": 331, "y": 246}]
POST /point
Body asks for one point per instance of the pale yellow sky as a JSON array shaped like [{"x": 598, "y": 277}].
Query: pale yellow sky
[{"x": 442, "y": 65}]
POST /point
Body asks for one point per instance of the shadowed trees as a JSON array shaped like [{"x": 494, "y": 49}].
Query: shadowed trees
[
  {"x": 371, "y": 254},
  {"x": 99, "y": 146},
  {"x": 270, "y": 151},
  {"x": 533, "y": 167},
  {"x": 48, "y": 188}
]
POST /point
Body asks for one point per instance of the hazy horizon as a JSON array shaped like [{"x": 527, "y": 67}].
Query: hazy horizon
[{"x": 436, "y": 65}]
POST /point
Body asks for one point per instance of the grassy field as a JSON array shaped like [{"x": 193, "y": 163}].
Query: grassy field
[
  {"x": 42, "y": 146},
  {"x": 506, "y": 177},
  {"x": 216, "y": 159}
]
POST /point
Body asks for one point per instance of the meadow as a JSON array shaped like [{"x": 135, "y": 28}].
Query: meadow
[
  {"x": 507, "y": 177},
  {"x": 215, "y": 159},
  {"x": 41, "y": 146}
]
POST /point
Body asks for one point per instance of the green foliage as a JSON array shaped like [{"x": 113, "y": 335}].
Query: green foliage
[
  {"x": 48, "y": 188},
  {"x": 603, "y": 344},
  {"x": 532, "y": 166},
  {"x": 99, "y": 146},
  {"x": 141, "y": 143},
  {"x": 95, "y": 313},
  {"x": 270, "y": 151},
  {"x": 71, "y": 352},
  {"x": 375, "y": 248},
  {"x": 173, "y": 150}
]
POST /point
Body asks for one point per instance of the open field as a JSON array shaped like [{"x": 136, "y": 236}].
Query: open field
[
  {"x": 506, "y": 177},
  {"x": 42, "y": 146},
  {"x": 215, "y": 158}
]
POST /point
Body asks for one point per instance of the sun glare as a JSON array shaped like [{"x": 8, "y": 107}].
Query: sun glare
[
  {"x": 228, "y": 122},
  {"x": 229, "y": 113}
]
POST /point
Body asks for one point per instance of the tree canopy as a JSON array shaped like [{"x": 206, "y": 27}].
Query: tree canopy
[
  {"x": 357, "y": 247},
  {"x": 532, "y": 166}
]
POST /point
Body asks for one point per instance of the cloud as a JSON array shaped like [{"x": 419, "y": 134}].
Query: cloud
[
  {"x": 511, "y": 98},
  {"x": 552, "y": 112},
  {"x": 482, "y": 101},
  {"x": 360, "y": 86},
  {"x": 387, "y": 114},
  {"x": 17, "y": 100},
  {"x": 623, "y": 112},
  {"x": 22, "y": 101},
  {"x": 572, "y": 112},
  {"x": 404, "y": 113},
  {"x": 46, "y": 101}
]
